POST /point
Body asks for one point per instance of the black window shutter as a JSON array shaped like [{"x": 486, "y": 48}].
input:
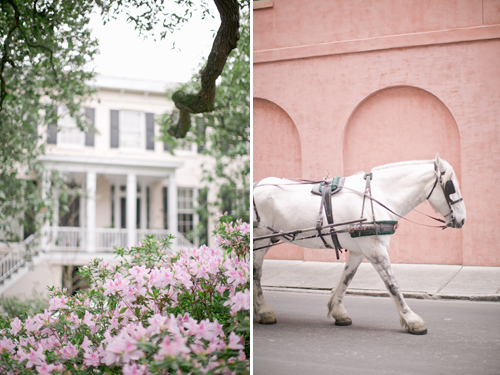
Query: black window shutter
[
  {"x": 114, "y": 129},
  {"x": 150, "y": 131},
  {"x": 89, "y": 137}
]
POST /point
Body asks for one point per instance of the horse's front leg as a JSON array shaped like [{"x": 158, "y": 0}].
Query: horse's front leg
[
  {"x": 336, "y": 308},
  {"x": 411, "y": 321},
  {"x": 260, "y": 305}
]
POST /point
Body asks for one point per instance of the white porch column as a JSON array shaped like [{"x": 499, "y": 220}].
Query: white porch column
[
  {"x": 144, "y": 213},
  {"x": 91, "y": 210},
  {"x": 172, "y": 209},
  {"x": 55, "y": 221},
  {"x": 131, "y": 209},
  {"x": 45, "y": 235},
  {"x": 196, "y": 219}
]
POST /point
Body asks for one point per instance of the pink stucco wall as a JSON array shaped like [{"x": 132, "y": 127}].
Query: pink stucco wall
[{"x": 348, "y": 85}]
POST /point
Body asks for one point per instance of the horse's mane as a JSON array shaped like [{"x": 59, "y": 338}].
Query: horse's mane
[{"x": 401, "y": 164}]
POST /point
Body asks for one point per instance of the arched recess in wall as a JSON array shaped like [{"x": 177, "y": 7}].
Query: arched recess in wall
[
  {"x": 276, "y": 152},
  {"x": 407, "y": 123},
  {"x": 276, "y": 142}
]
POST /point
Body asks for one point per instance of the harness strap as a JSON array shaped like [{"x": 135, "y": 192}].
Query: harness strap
[{"x": 326, "y": 202}]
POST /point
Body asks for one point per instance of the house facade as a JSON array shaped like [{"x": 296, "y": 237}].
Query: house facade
[
  {"x": 345, "y": 86},
  {"x": 122, "y": 183}
]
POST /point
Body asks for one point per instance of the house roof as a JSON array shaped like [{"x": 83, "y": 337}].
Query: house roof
[{"x": 132, "y": 84}]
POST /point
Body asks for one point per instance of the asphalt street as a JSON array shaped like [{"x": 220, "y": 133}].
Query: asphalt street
[{"x": 463, "y": 337}]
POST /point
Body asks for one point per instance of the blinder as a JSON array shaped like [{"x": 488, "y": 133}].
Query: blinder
[{"x": 449, "y": 188}]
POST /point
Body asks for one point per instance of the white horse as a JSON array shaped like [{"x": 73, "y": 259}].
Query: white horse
[{"x": 284, "y": 205}]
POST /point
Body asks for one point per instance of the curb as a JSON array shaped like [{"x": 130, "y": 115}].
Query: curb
[{"x": 379, "y": 293}]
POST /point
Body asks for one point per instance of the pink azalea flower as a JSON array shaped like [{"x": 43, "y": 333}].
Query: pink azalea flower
[
  {"x": 109, "y": 287},
  {"x": 134, "y": 369},
  {"x": 124, "y": 346},
  {"x": 172, "y": 348},
  {"x": 74, "y": 320},
  {"x": 235, "y": 341},
  {"x": 69, "y": 351},
  {"x": 34, "y": 357},
  {"x": 6, "y": 345},
  {"x": 91, "y": 358},
  {"x": 244, "y": 228},
  {"x": 58, "y": 303},
  {"x": 86, "y": 343},
  {"x": 15, "y": 326},
  {"x": 240, "y": 301},
  {"x": 45, "y": 369}
]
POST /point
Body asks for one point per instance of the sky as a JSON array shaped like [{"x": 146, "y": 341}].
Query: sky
[{"x": 123, "y": 53}]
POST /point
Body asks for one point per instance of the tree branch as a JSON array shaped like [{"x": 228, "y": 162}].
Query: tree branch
[{"x": 225, "y": 41}]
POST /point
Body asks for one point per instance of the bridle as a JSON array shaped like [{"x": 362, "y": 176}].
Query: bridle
[{"x": 448, "y": 189}]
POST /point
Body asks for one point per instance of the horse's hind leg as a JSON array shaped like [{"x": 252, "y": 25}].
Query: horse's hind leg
[
  {"x": 260, "y": 305},
  {"x": 411, "y": 321},
  {"x": 336, "y": 308}
]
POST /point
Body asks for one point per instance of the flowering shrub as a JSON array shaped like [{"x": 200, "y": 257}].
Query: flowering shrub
[
  {"x": 233, "y": 237},
  {"x": 153, "y": 313}
]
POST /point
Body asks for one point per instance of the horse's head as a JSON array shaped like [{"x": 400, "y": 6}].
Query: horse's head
[{"x": 445, "y": 196}]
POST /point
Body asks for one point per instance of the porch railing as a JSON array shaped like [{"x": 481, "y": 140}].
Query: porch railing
[
  {"x": 17, "y": 257},
  {"x": 108, "y": 238},
  {"x": 67, "y": 238},
  {"x": 74, "y": 238}
]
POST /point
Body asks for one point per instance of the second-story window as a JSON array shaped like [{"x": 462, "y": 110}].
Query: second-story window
[
  {"x": 67, "y": 133},
  {"x": 132, "y": 130}
]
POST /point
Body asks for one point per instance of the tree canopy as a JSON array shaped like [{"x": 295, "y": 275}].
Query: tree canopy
[{"x": 46, "y": 47}]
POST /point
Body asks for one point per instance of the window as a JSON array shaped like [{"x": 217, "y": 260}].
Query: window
[
  {"x": 69, "y": 134},
  {"x": 185, "y": 210},
  {"x": 132, "y": 130}
]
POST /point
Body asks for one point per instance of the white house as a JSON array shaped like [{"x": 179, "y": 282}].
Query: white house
[{"x": 132, "y": 186}]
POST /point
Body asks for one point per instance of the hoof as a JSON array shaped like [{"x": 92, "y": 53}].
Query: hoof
[
  {"x": 267, "y": 318},
  {"x": 422, "y": 332},
  {"x": 268, "y": 322},
  {"x": 343, "y": 322}
]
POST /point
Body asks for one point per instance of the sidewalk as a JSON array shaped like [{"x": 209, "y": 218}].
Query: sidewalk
[{"x": 428, "y": 281}]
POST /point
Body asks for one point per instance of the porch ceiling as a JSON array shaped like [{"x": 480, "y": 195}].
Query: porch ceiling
[{"x": 82, "y": 164}]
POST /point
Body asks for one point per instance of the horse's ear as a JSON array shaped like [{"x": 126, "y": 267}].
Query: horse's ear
[{"x": 439, "y": 162}]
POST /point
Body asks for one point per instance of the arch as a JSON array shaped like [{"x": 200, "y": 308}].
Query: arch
[
  {"x": 276, "y": 152},
  {"x": 276, "y": 142},
  {"x": 406, "y": 123}
]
